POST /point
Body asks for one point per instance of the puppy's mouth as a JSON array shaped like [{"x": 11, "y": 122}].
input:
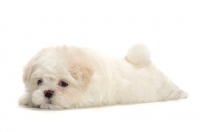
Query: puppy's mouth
[
  {"x": 49, "y": 101},
  {"x": 50, "y": 105},
  {"x": 47, "y": 104}
]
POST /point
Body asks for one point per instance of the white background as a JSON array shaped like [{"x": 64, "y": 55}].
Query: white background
[{"x": 170, "y": 28}]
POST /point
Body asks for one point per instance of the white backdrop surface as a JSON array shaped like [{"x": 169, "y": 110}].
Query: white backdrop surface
[{"x": 171, "y": 30}]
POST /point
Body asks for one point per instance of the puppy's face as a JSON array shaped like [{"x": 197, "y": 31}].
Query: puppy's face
[{"x": 55, "y": 78}]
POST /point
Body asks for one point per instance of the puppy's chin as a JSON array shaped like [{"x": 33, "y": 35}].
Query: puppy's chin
[{"x": 50, "y": 106}]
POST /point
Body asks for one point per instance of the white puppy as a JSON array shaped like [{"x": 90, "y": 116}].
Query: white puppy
[{"x": 72, "y": 77}]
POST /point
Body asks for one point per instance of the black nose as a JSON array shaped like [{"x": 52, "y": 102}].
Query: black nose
[{"x": 48, "y": 93}]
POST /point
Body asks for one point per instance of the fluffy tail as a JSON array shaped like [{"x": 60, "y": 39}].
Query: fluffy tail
[{"x": 139, "y": 55}]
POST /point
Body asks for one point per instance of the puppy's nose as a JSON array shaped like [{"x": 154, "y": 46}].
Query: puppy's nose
[{"x": 48, "y": 93}]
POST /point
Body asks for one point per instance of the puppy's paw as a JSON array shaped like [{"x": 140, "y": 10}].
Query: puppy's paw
[
  {"x": 24, "y": 100},
  {"x": 182, "y": 94}
]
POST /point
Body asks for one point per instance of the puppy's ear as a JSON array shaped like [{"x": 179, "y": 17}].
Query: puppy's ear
[
  {"x": 28, "y": 69},
  {"x": 79, "y": 65},
  {"x": 81, "y": 72},
  {"x": 27, "y": 73}
]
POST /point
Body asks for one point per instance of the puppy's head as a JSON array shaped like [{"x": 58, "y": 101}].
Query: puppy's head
[{"x": 56, "y": 78}]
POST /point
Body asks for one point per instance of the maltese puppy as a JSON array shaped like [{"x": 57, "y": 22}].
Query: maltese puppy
[{"x": 73, "y": 77}]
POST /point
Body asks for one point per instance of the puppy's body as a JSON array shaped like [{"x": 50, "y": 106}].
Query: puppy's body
[{"x": 94, "y": 79}]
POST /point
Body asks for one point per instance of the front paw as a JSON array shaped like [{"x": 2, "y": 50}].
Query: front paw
[{"x": 25, "y": 100}]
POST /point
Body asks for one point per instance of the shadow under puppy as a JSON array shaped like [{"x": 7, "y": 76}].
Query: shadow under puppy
[{"x": 72, "y": 77}]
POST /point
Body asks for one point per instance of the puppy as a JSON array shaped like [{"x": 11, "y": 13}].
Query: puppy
[{"x": 72, "y": 77}]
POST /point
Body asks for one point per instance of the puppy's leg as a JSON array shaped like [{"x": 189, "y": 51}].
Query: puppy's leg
[
  {"x": 25, "y": 100},
  {"x": 171, "y": 92},
  {"x": 182, "y": 94},
  {"x": 177, "y": 94},
  {"x": 139, "y": 56}
]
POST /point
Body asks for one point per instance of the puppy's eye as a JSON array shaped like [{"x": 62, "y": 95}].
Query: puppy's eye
[
  {"x": 39, "y": 82},
  {"x": 63, "y": 84}
]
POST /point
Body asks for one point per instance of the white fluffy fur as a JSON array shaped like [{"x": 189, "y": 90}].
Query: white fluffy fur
[{"x": 94, "y": 79}]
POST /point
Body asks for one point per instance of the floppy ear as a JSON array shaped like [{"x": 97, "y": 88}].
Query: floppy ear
[
  {"x": 79, "y": 65},
  {"x": 27, "y": 72},
  {"x": 28, "y": 69},
  {"x": 25, "y": 99},
  {"x": 81, "y": 72}
]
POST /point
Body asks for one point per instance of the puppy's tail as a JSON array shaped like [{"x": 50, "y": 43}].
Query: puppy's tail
[{"x": 139, "y": 55}]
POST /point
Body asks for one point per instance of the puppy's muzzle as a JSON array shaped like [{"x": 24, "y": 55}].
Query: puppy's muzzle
[{"x": 48, "y": 93}]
